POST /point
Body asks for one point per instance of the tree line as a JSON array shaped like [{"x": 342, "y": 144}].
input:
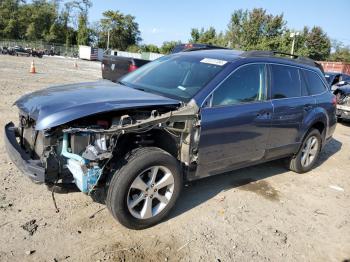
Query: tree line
[
  {"x": 258, "y": 30},
  {"x": 67, "y": 23}
]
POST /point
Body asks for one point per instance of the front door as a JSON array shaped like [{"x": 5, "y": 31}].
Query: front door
[{"x": 235, "y": 125}]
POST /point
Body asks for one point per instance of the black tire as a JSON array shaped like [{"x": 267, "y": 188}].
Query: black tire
[
  {"x": 295, "y": 163},
  {"x": 133, "y": 164}
]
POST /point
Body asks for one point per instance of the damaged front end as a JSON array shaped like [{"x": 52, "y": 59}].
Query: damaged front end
[
  {"x": 343, "y": 101},
  {"x": 81, "y": 151},
  {"x": 86, "y": 168}
]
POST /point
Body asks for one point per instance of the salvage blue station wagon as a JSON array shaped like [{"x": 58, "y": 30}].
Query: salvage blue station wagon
[{"x": 179, "y": 118}]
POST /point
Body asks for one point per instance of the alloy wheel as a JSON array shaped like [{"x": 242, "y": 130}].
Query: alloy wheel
[
  {"x": 150, "y": 192},
  {"x": 309, "y": 151}
]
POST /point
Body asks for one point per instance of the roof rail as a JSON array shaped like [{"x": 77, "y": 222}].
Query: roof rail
[
  {"x": 204, "y": 47},
  {"x": 255, "y": 53},
  {"x": 293, "y": 57}
]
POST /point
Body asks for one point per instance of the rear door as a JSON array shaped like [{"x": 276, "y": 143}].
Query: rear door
[
  {"x": 324, "y": 98},
  {"x": 235, "y": 125},
  {"x": 291, "y": 103}
]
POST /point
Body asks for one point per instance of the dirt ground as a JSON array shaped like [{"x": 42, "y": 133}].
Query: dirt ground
[{"x": 262, "y": 213}]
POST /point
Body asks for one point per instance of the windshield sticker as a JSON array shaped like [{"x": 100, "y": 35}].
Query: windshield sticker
[
  {"x": 213, "y": 61},
  {"x": 182, "y": 88}
]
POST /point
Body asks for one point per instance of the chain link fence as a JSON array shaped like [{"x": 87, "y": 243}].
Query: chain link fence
[{"x": 49, "y": 48}]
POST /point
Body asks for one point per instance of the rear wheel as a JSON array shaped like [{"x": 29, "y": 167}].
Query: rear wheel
[
  {"x": 143, "y": 191},
  {"x": 308, "y": 154}
]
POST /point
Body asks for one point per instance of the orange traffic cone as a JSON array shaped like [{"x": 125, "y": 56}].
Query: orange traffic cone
[
  {"x": 75, "y": 64},
  {"x": 32, "y": 68}
]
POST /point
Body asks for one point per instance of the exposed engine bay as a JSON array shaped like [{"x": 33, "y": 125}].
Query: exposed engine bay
[
  {"x": 343, "y": 101},
  {"x": 343, "y": 97},
  {"x": 81, "y": 151}
]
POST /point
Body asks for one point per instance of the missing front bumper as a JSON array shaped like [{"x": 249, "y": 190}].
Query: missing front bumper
[{"x": 31, "y": 168}]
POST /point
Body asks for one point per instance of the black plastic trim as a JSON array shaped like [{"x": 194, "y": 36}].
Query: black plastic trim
[{"x": 31, "y": 168}]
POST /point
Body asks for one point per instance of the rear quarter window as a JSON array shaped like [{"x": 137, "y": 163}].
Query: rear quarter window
[
  {"x": 314, "y": 83},
  {"x": 285, "y": 82}
]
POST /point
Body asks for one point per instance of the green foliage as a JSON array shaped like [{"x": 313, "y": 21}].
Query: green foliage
[
  {"x": 26, "y": 21},
  {"x": 124, "y": 31},
  {"x": 209, "y": 36},
  {"x": 150, "y": 48},
  {"x": 258, "y": 30},
  {"x": 45, "y": 20},
  {"x": 66, "y": 22},
  {"x": 134, "y": 49},
  {"x": 9, "y": 24},
  {"x": 341, "y": 53},
  {"x": 168, "y": 46},
  {"x": 255, "y": 30},
  {"x": 83, "y": 31},
  {"x": 318, "y": 44}
]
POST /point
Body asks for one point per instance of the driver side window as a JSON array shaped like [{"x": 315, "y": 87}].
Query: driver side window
[{"x": 245, "y": 85}]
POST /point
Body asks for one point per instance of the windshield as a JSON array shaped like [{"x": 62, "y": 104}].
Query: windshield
[
  {"x": 176, "y": 76},
  {"x": 329, "y": 78}
]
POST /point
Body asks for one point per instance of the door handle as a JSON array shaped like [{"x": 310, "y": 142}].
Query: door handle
[{"x": 263, "y": 115}]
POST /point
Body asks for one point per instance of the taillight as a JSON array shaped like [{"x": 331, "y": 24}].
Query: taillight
[
  {"x": 334, "y": 101},
  {"x": 132, "y": 67}
]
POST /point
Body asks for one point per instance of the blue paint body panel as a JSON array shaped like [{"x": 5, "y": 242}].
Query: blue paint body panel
[
  {"x": 58, "y": 105},
  {"x": 231, "y": 137}
]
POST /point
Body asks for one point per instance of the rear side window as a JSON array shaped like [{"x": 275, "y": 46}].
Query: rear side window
[
  {"x": 303, "y": 82},
  {"x": 314, "y": 83},
  {"x": 285, "y": 82},
  {"x": 245, "y": 85}
]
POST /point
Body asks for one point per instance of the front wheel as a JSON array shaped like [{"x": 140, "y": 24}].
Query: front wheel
[
  {"x": 308, "y": 154},
  {"x": 143, "y": 191}
]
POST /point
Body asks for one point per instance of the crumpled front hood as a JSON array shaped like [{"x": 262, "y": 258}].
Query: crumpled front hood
[{"x": 58, "y": 105}]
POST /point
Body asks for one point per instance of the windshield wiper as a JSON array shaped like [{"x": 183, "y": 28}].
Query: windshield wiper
[
  {"x": 121, "y": 83},
  {"x": 124, "y": 84},
  {"x": 141, "y": 89}
]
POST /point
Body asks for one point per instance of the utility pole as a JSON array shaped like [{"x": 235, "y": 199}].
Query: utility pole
[
  {"x": 109, "y": 31},
  {"x": 294, "y": 36}
]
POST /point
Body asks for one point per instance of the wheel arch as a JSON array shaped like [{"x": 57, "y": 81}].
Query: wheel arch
[
  {"x": 316, "y": 119},
  {"x": 154, "y": 138}
]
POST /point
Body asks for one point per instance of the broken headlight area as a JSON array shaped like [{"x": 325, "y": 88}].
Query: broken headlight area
[
  {"x": 86, "y": 155},
  {"x": 342, "y": 96},
  {"x": 81, "y": 151}
]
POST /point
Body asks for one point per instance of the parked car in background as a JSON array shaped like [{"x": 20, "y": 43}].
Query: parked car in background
[
  {"x": 114, "y": 67},
  {"x": 343, "y": 101},
  {"x": 52, "y": 52},
  {"x": 336, "y": 79},
  {"x": 180, "y": 118},
  {"x": 3, "y": 50},
  {"x": 11, "y": 51},
  {"x": 20, "y": 51},
  {"x": 37, "y": 53}
]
